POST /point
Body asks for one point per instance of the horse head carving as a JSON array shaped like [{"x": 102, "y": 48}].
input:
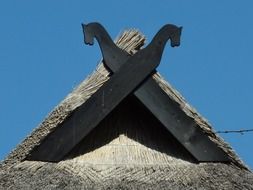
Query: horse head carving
[{"x": 114, "y": 56}]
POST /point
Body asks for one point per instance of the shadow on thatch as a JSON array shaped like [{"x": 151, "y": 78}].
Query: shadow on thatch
[{"x": 133, "y": 129}]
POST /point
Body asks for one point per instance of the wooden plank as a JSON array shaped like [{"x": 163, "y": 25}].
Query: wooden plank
[
  {"x": 184, "y": 128},
  {"x": 129, "y": 73},
  {"x": 60, "y": 142},
  {"x": 181, "y": 126}
]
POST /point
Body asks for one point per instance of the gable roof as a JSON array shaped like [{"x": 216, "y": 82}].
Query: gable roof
[
  {"x": 130, "y": 75},
  {"x": 131, "y": 41}
]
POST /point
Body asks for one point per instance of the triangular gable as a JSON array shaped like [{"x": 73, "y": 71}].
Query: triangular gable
[
  {"x": 130, "y": 135},
  {"x": 89, "y": 86}
]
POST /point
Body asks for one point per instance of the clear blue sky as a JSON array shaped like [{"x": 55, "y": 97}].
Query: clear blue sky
[{"x": 42, "y": 58}]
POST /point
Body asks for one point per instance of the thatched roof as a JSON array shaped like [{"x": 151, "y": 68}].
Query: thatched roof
[{"x": 130, "y": 149}]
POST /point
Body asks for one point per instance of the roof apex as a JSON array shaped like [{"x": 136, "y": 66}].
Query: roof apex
[{"x": 131, "y": 41}]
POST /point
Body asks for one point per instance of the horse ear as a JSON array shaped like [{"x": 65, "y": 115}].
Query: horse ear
[{"x": 84, "y": 25}]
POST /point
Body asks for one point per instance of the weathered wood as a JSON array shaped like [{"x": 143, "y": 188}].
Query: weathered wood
[
  {"x": 93, "y": 111},
  {"x": 158, "y": 102},
  {"x": 128, "y": 77},
  {"x": 181, "y": 126},
  {"x": 138, "y": 67}
]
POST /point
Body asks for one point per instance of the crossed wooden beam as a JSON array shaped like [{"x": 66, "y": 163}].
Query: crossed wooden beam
[{"x": 130, "y": 75}]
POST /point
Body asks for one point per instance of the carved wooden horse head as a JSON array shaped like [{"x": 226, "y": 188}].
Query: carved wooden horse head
[{"x": 112, "y": 54}]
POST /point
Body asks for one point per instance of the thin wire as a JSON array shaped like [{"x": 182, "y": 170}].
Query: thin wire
[{"x": 236, "y": 131}]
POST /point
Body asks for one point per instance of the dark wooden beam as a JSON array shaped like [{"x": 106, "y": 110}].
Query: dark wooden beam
[
  {"x": 85, "y": 118},
  {"x": 180, "y": 125},
  {"x": 131, "y": 74},
  {"x": 169, "y": 113}
]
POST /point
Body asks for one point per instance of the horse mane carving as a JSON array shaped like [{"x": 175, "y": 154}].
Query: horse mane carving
[{"x": 113, "y": 55}]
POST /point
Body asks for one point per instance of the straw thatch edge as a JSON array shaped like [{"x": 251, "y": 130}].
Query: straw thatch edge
[{"x": 68, "y": 175}]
